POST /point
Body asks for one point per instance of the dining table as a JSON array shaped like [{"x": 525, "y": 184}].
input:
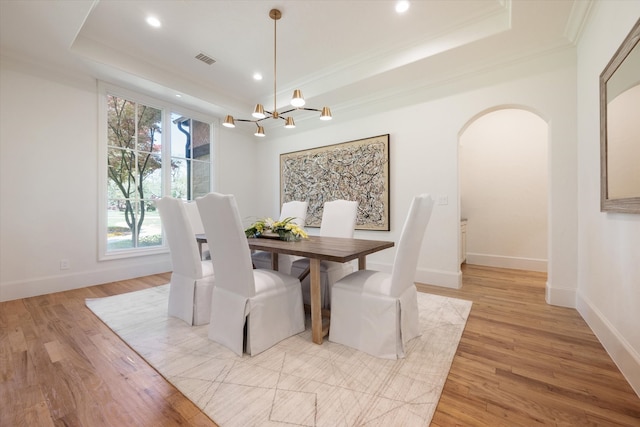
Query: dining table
[{"x": 317, "y": 249}]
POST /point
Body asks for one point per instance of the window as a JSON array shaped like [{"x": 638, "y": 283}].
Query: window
[
  {"x": 144, "y": 162},
  {"x": 190, "y": 157}
]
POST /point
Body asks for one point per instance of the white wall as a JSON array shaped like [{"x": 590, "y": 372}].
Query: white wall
[
  {"x": 49, "y": 182},
  {"x": 424, "y": 158},
  {"x": 609, "y": 243},
  {"x": 236, "y": 167},
  {"x": 503, "y": 189},
  {"x": 48, "y": 185}
]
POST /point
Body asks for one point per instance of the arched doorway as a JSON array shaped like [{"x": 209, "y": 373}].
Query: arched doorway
[{"x": 504, "y": 189}]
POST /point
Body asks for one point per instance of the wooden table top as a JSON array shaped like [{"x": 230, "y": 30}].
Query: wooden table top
[{"x": 325, "y": 248}]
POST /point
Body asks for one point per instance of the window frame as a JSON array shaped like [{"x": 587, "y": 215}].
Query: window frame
[
  {"x": 167, "y": 108},
  {"x": 194, "y": 160}
]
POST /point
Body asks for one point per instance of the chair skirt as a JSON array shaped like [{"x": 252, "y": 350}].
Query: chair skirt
[
  {"x": 190, "y": 299},
  {"x": 365, "y": 318},
  {"x": 273, "y": 314}
]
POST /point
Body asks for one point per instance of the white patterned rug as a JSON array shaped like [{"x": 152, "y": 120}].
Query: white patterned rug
[{"x": 296, "y": 382}]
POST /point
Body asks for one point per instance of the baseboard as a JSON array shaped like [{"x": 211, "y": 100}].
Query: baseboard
[
  {"x": 563, "y": 297},
  {"x": 516, "y": 263},
  {"x": 621, "y": 352},
  {"x": 47, "y": 285},
  {"x": 446, "y": 279}
]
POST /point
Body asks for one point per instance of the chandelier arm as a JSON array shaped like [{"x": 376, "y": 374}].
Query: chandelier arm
[
  {"x": 300, "y": 108},
  {"x": 275, "y": 115}
]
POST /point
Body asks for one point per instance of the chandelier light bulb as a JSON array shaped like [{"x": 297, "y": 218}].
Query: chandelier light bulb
[
  {"x": 325, "y": 114},
  {"x": 229, "y": 122},
  {"x": 297, "y": 100},
  {"x": 259, "y": 131},
  {"x": 289, "y": 124},
  {"x": 258, "y": 113}
]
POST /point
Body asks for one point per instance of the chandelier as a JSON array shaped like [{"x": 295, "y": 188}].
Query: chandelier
[{"x": 297, "y": 101}]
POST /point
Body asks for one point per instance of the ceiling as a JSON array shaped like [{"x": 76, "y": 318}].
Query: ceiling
[{"x": 343, "y": 54}]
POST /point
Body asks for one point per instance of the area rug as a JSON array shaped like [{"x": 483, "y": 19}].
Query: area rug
[{"x": 296, "y": 382}]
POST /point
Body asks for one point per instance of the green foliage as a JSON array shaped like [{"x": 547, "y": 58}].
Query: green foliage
[{"x": 133, "y": 155}]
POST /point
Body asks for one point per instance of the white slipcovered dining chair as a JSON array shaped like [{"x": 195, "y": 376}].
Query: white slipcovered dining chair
[
  {"x": 196, "y": 224},
  {"x": 338, "y": 220},
  {"x": 269, "y": 302},
  {"x": 193, "y": 214},
  {"x": 293, "y": 209},
  {"x": 191, "y": 279},
  {"x": 377, "y": 312}
]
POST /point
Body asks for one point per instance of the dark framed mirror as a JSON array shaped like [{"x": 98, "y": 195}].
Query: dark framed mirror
[{"x": 620, "y": 128}]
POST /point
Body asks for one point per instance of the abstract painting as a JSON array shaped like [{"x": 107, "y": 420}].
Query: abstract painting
[{"x": 355, "y": 170}]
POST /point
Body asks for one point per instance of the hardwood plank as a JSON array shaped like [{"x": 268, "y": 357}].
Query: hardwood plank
[
  {"x": 60, "y": 365},
  {"x": 520, "y": 361},
  {"x": 523, "y": 362}
]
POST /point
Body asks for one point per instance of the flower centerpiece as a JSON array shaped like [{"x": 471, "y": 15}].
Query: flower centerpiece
[{"x": 284, "y": 229}]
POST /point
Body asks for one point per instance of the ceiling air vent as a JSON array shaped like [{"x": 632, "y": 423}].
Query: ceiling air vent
[{"x": 205, "y": 58}]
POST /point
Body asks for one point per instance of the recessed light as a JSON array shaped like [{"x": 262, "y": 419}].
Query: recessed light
[
  {"x": 178, "y": 95},
  {"x": 402, "y": 6},
  {"x": 153, "y": 21},
  {"x": 257, "y": 76}
]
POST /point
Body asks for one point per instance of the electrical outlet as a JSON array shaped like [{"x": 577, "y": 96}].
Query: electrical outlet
[
  {"x": 443, "y": 200},
  {"x": 64, "y": 264}
]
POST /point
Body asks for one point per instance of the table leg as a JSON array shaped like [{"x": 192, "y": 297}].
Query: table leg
[
  {"x": 274, "y": 261},
  {"x": 362, "y": 263},
  {"x": 316, "y": 312}
]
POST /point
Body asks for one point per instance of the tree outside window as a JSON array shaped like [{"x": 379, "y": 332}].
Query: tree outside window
[{"x": 135, "y": 169}]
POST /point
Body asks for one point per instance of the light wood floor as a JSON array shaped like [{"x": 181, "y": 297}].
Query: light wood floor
[{"x": 520, "y": 362}]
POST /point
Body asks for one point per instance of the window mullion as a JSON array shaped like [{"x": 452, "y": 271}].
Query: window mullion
[{"x": 166, "y": 153}]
